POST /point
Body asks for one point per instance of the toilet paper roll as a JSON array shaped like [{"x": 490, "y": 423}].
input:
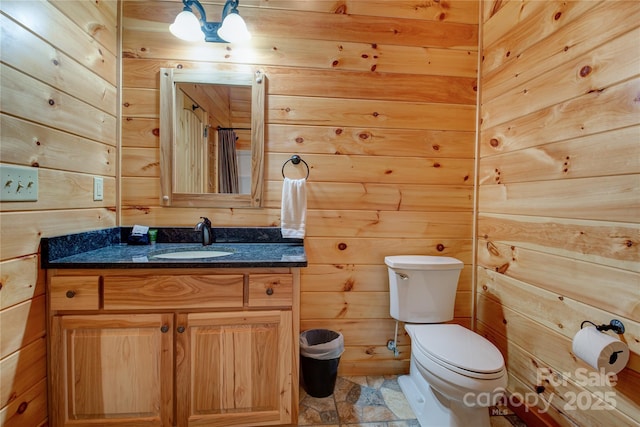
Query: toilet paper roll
[{"x": 600, "y": 350}]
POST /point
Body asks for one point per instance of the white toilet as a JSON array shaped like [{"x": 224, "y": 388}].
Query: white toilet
[{"x": 455, "y": 374}]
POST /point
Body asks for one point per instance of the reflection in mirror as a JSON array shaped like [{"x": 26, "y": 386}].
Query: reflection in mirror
[{"x": 211, "y": 138}]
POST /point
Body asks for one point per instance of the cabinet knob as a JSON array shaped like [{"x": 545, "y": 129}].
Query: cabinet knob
[
  {"x": 180, "y": 329},
  {"x": 71, "y": 294},
  {"x": 164, "y": 329},
  {"x": 269, "y": 291}
]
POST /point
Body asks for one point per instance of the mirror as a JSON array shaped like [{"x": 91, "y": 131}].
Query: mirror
[{"x": 211, "y": 137}]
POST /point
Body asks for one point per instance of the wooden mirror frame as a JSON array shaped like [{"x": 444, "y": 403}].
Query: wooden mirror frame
[{"x": 169, "y": 77}]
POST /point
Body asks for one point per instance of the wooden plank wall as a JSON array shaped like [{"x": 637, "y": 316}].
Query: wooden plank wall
[
  {"x": 559, "y": 197},
  {"x": 379, "y": 98},
  {"x": 59, "y": 103}
]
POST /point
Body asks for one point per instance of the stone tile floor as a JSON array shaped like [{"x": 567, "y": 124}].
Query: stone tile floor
[{"x": 370, "y": 402}]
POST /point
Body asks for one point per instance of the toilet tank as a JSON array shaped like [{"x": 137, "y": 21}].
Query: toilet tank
[{"x": 422, "y": 289}]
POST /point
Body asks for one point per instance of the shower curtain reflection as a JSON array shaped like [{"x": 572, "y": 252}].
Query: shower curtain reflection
[{"x": 227, "y": 162}]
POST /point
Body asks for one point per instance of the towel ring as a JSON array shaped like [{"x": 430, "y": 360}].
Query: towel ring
[{"x": 295, "y": 159}]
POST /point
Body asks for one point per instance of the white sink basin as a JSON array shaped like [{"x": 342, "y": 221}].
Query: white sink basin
[{"x": 192, "y": 254}]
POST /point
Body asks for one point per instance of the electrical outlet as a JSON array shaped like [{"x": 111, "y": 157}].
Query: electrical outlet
[
  {"x": 98, "y": 188},
  {"x": 19, "y": 183}
]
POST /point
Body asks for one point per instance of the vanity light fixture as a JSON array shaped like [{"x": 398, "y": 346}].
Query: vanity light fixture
[{"x": 231, "y": 29}]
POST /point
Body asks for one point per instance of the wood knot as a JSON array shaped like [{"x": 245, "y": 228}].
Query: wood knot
[
  {"x": 348, "y": 285},
  {"x": 179, "y": 66},
  {"x": 494, "y": 142},
  {"x": 342, "y": 246},
  {"x": 375, "y": 114},
  {"x": 503, "y": 268},
  {"x": 335, "y": 63},
  {"x": 629, "y": 243},
  {"x": 436, "y": 165},
  {"x": 540, "y": 389},
  {"x": 585, "y": 71},
  {"x": 126, "y": 104},
  {"x": 493, "y": 249},
  {"x": 52, "y": 102},
  {"x": 22, "y": 408},
  {"x": 557, "y": 16},
  {"x": 341, "y": 10},
  {"x": 364, "y": 135},
  {"x": 440, "y": 247},
  {"x": 299, "y": 140},
  {"x": 338, "y": 131}
]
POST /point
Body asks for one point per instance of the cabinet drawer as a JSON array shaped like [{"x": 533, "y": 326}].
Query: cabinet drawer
[
  {"x": 173, "y": 292},
  {"x": 75, "y": 292},
  {"x": 270, "y": 290}
]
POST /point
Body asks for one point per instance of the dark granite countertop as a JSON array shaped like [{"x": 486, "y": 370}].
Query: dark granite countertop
[{"x": 250, "y": 247}]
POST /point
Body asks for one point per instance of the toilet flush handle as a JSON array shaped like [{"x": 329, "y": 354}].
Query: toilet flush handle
[{"x": 403, "y": 276}]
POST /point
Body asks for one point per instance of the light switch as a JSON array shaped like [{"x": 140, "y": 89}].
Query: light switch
[
  {"x": 19, "y": 183},
  {"x": 98, "y": 188}
]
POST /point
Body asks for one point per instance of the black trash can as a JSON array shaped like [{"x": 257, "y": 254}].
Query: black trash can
[{"x": 320, "y": 351}]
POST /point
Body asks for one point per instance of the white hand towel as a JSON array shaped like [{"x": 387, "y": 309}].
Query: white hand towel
[{"x": 294, "y": 208}]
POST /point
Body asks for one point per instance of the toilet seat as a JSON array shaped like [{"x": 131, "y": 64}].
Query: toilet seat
[{"x": 457, "y": 349}]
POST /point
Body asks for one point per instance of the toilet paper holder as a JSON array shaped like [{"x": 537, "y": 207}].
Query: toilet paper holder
[{"x": 615, "y": 325}]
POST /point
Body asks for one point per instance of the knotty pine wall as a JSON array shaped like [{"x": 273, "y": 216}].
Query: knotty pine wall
[
  {"x": 559, "y": 197},
  {"x": 545, "y": 251},
  {"x": 58, "y": 80},
  {"x": 379, "y": 99}
]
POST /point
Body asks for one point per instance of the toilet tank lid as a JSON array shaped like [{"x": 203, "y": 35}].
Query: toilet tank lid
[{"x": 423, "y": 262}]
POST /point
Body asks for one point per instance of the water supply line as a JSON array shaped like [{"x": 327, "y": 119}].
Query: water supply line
[{"x": 393, "y": 344}]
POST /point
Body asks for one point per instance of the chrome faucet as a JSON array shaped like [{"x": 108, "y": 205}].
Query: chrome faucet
[{"x": 207, "y": 233}]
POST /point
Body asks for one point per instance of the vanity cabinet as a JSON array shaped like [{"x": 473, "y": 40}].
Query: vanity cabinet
[{"x": 176, "y": 347}]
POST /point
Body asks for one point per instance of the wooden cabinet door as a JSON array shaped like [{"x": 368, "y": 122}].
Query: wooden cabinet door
[
  {"x": 234, "y": 368},
  {"x": 112, "y": 369}
]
